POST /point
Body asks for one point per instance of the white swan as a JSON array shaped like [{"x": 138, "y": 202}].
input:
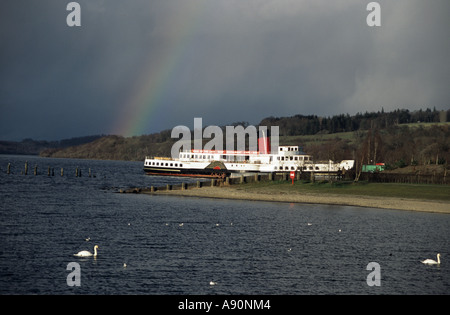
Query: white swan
[
  {"x": 85, "y": 253},
  {"x": 431, "y": 261}
]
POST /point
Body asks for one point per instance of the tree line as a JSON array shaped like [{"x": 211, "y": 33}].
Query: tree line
[
  {"x": 399, "y": 138},
  {"x": 313, "y": 124}
]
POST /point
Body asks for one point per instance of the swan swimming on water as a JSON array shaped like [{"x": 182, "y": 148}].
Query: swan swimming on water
[
  {"x": 85, "y": 253},
  {"x": 431, "y": 261}
]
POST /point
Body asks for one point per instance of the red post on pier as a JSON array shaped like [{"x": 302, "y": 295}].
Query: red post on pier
[{"x": 292, "y": 175}]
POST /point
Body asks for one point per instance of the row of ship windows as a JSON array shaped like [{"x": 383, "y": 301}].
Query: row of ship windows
[
  {"x": 293, "y": 158},
  {"x": 293, "y": 168},
  {"x": 196, "y": 156},
  {"x": 164, "y": 164}
]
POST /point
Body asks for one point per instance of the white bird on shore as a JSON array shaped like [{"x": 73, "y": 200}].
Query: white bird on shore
[
  {"x": 86, "y": 253},
  {"x": 431, "y": 261}
]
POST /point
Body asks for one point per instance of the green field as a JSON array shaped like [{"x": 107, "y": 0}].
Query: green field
[{"x": 426, "y": 192}]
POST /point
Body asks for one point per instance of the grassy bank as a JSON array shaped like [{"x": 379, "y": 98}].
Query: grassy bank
[{"x": 425, "y": 192}]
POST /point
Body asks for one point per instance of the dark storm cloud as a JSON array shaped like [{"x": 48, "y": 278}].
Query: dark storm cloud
[{"x": 239, "y": 60}]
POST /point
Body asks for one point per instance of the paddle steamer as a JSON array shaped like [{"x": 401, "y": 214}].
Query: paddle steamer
[{"x": 223, "y": 163}]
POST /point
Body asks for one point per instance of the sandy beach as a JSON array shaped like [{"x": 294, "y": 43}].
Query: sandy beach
[{"x": 237, "y": 192}]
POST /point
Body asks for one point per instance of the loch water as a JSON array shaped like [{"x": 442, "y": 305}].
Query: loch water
[{"x": 186, "y": 245}]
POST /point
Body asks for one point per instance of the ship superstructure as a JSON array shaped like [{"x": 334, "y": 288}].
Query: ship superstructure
[{"x": 222, "y": 163}]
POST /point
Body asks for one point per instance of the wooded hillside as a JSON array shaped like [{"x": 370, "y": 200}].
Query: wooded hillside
[{"x": 400, "y": 138}]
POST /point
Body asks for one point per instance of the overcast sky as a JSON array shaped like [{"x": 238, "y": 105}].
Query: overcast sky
[{"x": 141, "y": 66}]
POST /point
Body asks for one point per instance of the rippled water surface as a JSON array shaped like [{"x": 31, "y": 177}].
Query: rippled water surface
[{"x": 177, "y": 245}]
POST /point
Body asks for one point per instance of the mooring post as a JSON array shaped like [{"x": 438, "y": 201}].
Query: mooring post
[
  {"x": 89, "y": 172},
  {"x": 26, "y": 167},
  {"x": 76, "y": 172},
  {"x": 35, "y": 170},
  {"x": 8, "y": 169},
  {"x": 213, "y": 182},
  {"x": 62, "y": 171},
  {"x": 199, "y": 184}
]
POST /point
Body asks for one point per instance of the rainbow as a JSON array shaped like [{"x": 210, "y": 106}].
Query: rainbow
[{"x": 158, "y": 72}]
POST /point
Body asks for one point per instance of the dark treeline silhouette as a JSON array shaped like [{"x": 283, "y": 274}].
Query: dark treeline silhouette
[
  {"x": 312, "y": 124},
  {"x": 399, "y": 139},
  {"x": 33, "y": 147}
]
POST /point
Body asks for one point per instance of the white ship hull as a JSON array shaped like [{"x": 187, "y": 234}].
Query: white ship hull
[{"x": 220, "y": 164}]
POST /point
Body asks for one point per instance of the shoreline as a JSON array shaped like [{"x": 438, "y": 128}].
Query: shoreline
[{"x": 236, "y": 193}]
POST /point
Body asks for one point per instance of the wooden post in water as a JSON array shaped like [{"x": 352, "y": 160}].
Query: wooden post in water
[
  {"x": 62, "y": 171},
  {"x": 26, "y": 167},
  {"x": 8, "y": 169},
  {"x": 35, "y": 170},
  {"x": 213, "y": 182},
  {"x": 89, "y": 172},
  {"x": 199, "y": 184}
]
